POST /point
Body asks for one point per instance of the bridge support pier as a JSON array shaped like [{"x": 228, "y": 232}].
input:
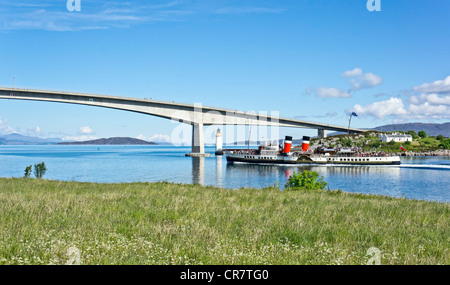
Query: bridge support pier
[
  {"x": 198, "y": 141},
  {"x": 321, "y": 133}
]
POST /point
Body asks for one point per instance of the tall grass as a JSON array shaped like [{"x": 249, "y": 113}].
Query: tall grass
[{"x": 165, "y": 223}]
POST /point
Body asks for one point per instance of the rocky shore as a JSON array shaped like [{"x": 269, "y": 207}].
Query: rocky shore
[{"x": 439, "y": 152}]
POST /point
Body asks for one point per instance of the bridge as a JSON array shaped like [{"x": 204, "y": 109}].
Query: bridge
[{"x": 196, "y": 115}]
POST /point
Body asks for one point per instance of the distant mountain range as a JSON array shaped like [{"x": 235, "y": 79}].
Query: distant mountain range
[
  {"x": 111, "y": 141},
  {"x": 18, "y": 139},
  {"x": 430, "y": 129}
]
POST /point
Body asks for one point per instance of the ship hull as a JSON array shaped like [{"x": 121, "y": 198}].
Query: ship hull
[{"x": 382, "y": 160}]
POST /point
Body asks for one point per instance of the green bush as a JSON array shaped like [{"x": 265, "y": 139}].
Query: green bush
[
  {"x": 39, "y": 170},
  {"x": 445, "y": 144},
  {"x": 375, "y": 144},
  {"x": 346, "y": 142},
  {"x": 422, "y": 134},
  {"x": 439, "y": 137},
  {"x": 306, "y": 180},
  {"x": 28, "y": 171}
]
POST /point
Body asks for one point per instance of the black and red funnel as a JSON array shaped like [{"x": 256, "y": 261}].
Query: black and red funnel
[
  {"x": 305, "y": 143},
  {"x": 287, "y": 144}
]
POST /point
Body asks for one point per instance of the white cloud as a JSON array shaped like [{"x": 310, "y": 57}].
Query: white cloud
[
  {"x": 431, "y": 98},
  {"x": 370, "y": 80},
  {"x": 54, "y": 16},
  {"x": 359, "y": 80},
  {"x": 35, "y": 131},
  {"x": 356, "y": 78},
  {"x": 5, "y": 128},
  {"x": 79, "y": 138},
  {"x": 325, "y": 92},
  {"x": 352, "y": 73},
  {"x": 422, "y": 107},
  {"x": 392, "y": 107},
  {"x": 155, "y": 138},
  {"x": 435, "y": 99},
  {"x": 85, "y": 130},
  {"x": 438, "y": 86},
  {"x": 427, "y": 110}
]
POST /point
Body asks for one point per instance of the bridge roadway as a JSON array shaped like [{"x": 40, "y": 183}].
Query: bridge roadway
[{"x": 195, "y": 115}]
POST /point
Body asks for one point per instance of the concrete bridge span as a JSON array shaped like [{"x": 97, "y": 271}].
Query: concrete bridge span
[{"x": 196, "y": 115}]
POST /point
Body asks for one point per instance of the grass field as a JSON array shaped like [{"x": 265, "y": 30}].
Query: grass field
[{"x": 53, "y": 222}]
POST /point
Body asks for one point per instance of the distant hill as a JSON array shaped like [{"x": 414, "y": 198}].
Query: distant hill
[
  {"x": 430, "y": 129},
  {"x": 18, "y": 139},
  {"x": 111, "y": 141}
]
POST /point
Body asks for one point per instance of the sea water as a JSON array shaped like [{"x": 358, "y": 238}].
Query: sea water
[{"x": 425, "y": 178}]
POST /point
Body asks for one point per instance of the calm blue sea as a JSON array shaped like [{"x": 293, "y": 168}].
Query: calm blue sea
[{"x": 426, "y": 178}]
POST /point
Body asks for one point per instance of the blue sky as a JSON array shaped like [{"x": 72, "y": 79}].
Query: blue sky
[{"x": 315, "y": 60}]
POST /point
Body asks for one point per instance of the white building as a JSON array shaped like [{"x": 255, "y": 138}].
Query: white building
[{"x": 395, "y": 137}]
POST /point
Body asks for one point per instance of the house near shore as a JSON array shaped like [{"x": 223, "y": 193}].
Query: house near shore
[{"x": 396, "y": 137}]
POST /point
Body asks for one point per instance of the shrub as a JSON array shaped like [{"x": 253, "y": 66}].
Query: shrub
[
  {"x": 346, "y": 142},
  {"x": 306, "y": 180},
  {"x": 39, "y": 170},
  {"x": 445, "y": 144},
  {"x": 28, "y": 171},
  {"x": 375, "y": 144},
  {"x": 439, "y": 137}
]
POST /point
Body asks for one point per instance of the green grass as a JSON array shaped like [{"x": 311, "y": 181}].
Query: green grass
[{"x": 164, "y": 223}]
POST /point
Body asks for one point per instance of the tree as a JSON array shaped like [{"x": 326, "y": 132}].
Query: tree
[
  {"x": 28, "y": 171},
  {"x": 439, "y": 137},
  {"x": 422, "y": 134},
  {"x": 306, "y": 180},
  {"x": 39, "y": 170},
  {"x": 413, "y": 134}
]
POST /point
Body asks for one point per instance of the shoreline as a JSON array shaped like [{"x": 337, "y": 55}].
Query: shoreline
[{"x": 439, "y": 152}]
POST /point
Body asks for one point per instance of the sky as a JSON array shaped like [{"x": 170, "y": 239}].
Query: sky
[{"x": 313, "y": 60}]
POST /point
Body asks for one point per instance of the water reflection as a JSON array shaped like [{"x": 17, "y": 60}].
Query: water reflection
[
  {"x": 287, "y": 170},
  {"x": 219, "y": 170},
  {"x": 198, "y": 170}
]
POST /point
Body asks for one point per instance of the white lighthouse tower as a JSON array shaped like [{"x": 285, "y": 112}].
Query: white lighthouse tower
[{"x": 219, "y": 142}]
